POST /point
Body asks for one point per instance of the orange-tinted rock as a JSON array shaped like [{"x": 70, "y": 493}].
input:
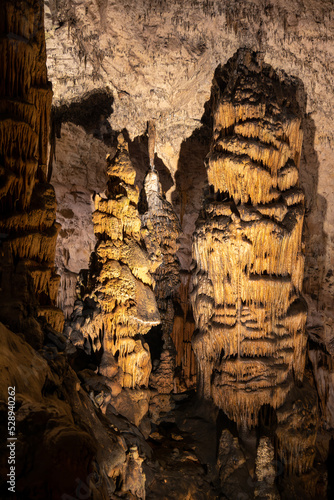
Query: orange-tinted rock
[
  {"x": 183, "y": 329},
  {"x": 250, "y": 341},
  {"x": 161, "y": 229},
  {"x": 120, "y": 283},
  {"x": 27, "y": 201}
]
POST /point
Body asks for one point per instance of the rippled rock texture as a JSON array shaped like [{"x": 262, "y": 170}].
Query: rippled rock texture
[
  {"x": 161, "y": 68},
  {"x": 161, "y": 229},
  {"x": 251, "y": 342},
  {"x": 29, "y": 282},
  {"x": 58, "y": 425},
  {"x": 93, "y": 419}
]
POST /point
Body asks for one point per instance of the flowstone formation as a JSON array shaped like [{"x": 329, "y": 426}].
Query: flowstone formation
[
  {"x": 28, "y": 229},
  {"x": 250, "y": 316}
]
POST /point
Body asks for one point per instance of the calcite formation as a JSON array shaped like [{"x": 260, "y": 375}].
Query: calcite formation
[
  {"x": 28, "y": 205},
  {"x": 122, "y": 282},
  {"x": 297, "y": 428},
  {"x": 175, "y": 370},
  {"x": 161, "y": 67},
  {"x": 161, "y": 229},
  {"x": 250, "y": 316},
  {"x": 265, "y": 471},
  {"x": 183, "y": 329}
]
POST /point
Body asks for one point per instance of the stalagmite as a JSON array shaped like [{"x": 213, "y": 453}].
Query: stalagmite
[
  {"x": 265, "y": 471},
  {"x": 161, "y": 229},
  {"x": 250, "y": 316},
  {"x": 119, "y": 289},
  {"x": 27, "y": 201},
  {"x": 134, "y": 477},
  {"x": 183, "y": 329}
]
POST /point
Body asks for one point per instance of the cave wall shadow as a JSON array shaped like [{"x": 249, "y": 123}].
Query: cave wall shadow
[
  {"x": 314, "y": 236},
  {"x": 91, "y": 112},
  {"x": 190, "y": 179},
  {"x": 138, "y": 149}
]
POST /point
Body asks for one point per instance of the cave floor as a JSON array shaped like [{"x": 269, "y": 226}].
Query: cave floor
[
  {"x": 184, "y": 454},
  {"x": 184, "y": 451}
]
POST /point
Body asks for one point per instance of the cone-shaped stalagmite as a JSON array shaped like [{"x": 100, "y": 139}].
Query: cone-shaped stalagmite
[
  {"x": 27, "y": 223},
  {"x": 249, "y": 313}
]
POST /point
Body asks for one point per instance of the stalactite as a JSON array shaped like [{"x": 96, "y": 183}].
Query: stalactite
[{"x": 250, "y": 317}]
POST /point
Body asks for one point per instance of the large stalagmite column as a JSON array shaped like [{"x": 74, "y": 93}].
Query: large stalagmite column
[
  {"x": 27, "y": 202},
  {"x": 250, "y": 316},
  {"x": 123, "y": 283}
]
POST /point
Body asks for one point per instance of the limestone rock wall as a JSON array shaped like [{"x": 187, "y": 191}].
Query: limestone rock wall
[
  {"x": 78, "y": 171},
  {"x": 51, "y": 438},
  {"x": 250, "y": 317}
]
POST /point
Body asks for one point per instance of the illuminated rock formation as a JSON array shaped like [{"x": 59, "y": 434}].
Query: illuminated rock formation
[
  {"x": 250, "y": 317},
  {"x": 48, "y": 395},
  {"x": 161, "y": 229},
  {"x": 183, "y": 329},
  {"x": 297, "y": 428},
  {"x": 27, "y": 222},
  {"x": 122, "y": 284}
]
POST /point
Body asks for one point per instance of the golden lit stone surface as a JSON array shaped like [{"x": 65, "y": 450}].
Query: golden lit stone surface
[
  {"x": 123, "y": 283},
  {"x": 161, "y": 229},
  {"x": 27, "y": 201},
  {"x": 250, "y": 342}
]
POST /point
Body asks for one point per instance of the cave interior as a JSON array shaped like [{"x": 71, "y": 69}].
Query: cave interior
[{"x": 166, "y": 250}]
